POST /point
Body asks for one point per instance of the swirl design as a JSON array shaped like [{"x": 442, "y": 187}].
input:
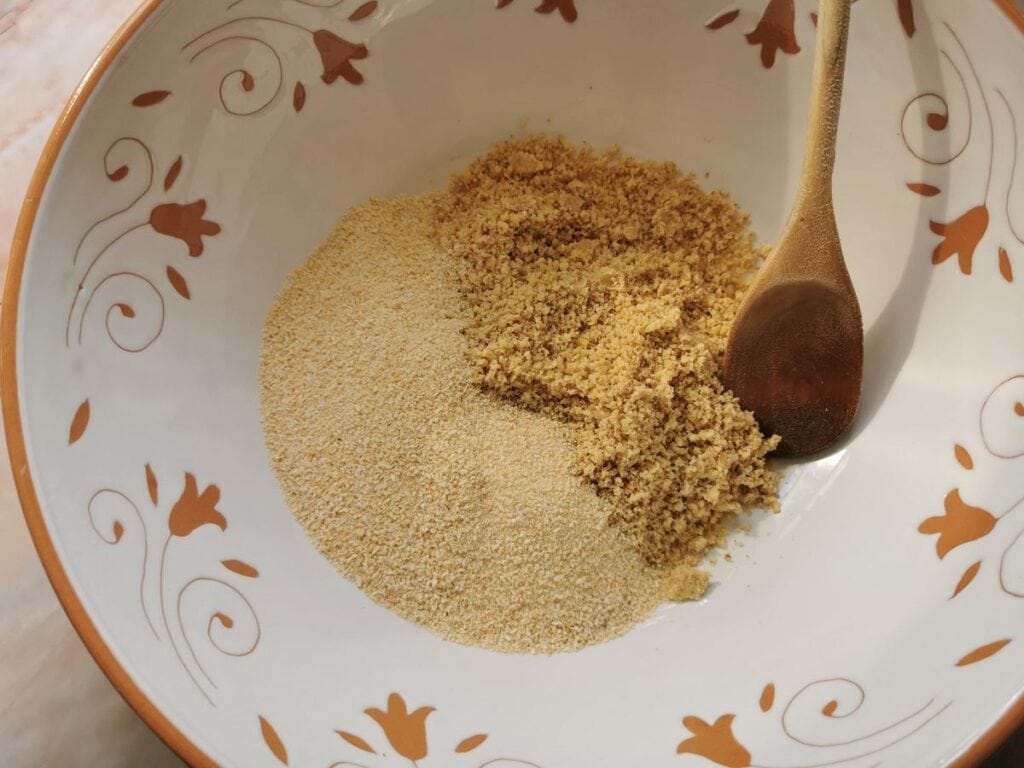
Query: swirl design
[
  {"x": 1001, "y": 421},
  {"x": 241, "y": 94},
  {"x": 938, "y": 120},
  {"x": 225, "y": 631},
  {"x": 127, "y": 312},
  {"x": 118, "y": 170},
  {"x": 1015, "y": 135},
  {"x": 229, "y": 621},
  {"x": 122, "y": 316},
  {"x": 962, "y": 235},
  {"x": 107, "y": 519},
  {"x": 834, "y": 698},
  {"x": 1001, "y": 430}
]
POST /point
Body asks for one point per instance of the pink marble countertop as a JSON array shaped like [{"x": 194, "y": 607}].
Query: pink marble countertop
[{"x": 56, "y": 708}]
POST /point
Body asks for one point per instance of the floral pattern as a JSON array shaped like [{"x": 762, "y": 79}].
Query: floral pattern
[
  {"x": 775, "y": 30},
  {"x": 837, "y": 697},
  {"x": 191, "y": 511},
  {"x": 963, "y": 524},
  {"x": 240, "y": 93},
  {"x": 186, "y": 222},
  {"x": 714, "y": 742},
  {"x": 963, "y": 235},
  {"x": 405, "y": 733}
]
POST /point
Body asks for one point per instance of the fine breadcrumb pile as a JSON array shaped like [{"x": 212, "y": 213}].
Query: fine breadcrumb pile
[
  {"x": 458, "y": 512},
  {"x": 600, "y": 291}
]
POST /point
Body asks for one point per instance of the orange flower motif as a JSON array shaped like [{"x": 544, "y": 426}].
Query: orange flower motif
[
  {"x": 776, "y": 31},
  {"x": 193, "y": 509},
  {"x": 715, "y": 742},
  {"x": 407, "y": 732},
  {"x": 337, "y": 54},
  {"x": 961, "y": 523},
  {"x": 961, "y": 237},
  {"x": 184, "y": 222}
]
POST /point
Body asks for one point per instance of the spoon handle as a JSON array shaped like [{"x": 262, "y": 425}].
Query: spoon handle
[{"x": 826, "y": 93}]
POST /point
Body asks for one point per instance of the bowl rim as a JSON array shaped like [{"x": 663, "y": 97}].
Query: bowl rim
[{"x": 982, "y": 746}]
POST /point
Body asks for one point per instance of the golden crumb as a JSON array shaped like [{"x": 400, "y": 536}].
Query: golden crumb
[
  {"x": 683, "y": 583},
  {"x": 600, "y": 291}
]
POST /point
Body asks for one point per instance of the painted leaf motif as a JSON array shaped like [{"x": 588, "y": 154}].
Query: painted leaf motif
[
  {"x": 364, "y": 10},
  {"x": 982, "y": 653},
  {"x": 241, "y": 568},
  {"x": 118, "y": 173},
  {"x": 767, "y": 697},
  {"x": 925, "y": 190},
  {"x": 248, "y": 83},
  {"x": 963, "y": 457},
  {"x": 151, "y": 484},
  {"x": 356, "y": 741},
  {"x": 714, "y": 742},
  {"x": 125, "y": 309},
  {"x": 1018, "y": 408},
  {"x": 226, "y": 621},
  {"x": 967, "y": 578},
  {"x": 960, "y": 524},
  {"x": 470, "y": 743},
  {"x": 1005, "y": 267},
  {"x": 299, "y": 97},
  {"x": 905, "y": 8},
  {"x": 723, "y": 19},
  {"x": 149, "y": 98},
  {"x": 79, "y": 423},
  {"x": 172, "y": 173},
  {"x": 118, "y": 531},
  {"x": 273, "y": 741},
  {"x": 830, "y": 709},
  {"x": 178, "y": 282}
]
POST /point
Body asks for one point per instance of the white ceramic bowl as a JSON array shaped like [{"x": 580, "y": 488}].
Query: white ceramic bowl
[{"x": 877, "y": 619}]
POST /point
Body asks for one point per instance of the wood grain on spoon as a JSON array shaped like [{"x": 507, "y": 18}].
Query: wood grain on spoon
[{"x": 795, "y": 354}]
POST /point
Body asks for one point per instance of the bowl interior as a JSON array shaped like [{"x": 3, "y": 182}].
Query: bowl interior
[{"x": 223, "y": 144}]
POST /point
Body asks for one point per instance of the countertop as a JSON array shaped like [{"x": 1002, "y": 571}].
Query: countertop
[{"x": 56, "y": 707}]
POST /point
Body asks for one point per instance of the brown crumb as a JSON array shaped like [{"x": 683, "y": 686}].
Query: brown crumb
[{"x": 600, "y": 291}]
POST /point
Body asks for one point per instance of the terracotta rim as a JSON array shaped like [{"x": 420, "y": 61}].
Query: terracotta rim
[
  {"x": 982, "y": 747},
  {"x": 80, "y": 619}
]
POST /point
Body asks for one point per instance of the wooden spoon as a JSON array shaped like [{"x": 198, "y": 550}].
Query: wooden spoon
[{"x": 795, "y": 354}]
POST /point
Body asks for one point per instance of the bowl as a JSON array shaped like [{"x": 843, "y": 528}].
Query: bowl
[{"x": 875, "y": 620}]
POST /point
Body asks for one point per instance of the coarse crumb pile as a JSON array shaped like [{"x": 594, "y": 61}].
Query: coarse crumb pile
[
  {"x": 496, "y": 409},
  {"x": 601, "y": 290}
]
